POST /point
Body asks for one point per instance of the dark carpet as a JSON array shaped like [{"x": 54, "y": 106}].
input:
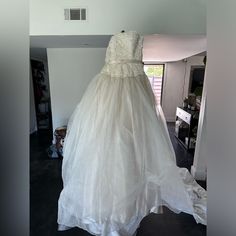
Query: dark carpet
[{"x": 46, "y": 185}]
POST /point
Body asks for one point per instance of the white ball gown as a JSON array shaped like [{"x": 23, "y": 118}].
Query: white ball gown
[{"x": 119, "y": 164}]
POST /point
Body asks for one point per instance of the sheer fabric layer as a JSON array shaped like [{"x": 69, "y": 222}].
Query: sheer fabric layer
[{"x": 118, "y": 165}]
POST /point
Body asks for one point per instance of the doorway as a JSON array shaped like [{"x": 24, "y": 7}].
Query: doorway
[{"x": 155, "y": 74}]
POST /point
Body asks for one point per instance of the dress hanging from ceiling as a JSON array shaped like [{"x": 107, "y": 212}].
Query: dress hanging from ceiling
[{"x": 119, "y": 163}]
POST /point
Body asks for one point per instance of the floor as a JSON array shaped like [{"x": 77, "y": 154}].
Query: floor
[{"x": 46, "y": 185}]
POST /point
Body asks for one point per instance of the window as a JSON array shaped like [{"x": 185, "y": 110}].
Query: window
[{"x": 155, "y": 73}]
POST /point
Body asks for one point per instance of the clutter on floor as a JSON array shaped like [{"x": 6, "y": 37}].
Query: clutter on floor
[{"x": 56, "y": 149}]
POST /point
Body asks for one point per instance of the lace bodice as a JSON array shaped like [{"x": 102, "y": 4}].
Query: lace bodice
[{"x": 125, "y": 47}]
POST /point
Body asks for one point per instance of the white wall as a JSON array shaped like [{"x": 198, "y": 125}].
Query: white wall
[
  {"x": 199, "y": 167},
  {"x": 221, "y": 118},
  {"x": 70, "y": 71},
  {"x": 111, "y": 16},
  {"x": 176, "y": 84},
  {"x": 172, "y": 95}
]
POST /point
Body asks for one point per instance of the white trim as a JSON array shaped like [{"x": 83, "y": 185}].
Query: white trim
[
  {"x": 199, "y": 163},
  {"x": 198, "y": 174},
  {"x": 33, "y": 130}
]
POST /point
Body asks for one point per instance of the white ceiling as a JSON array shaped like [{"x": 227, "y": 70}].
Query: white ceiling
[
  {"x": 166, "y": 48},
  {"x": 156, "y": 48},
  {"x": 70, "y": 41}
]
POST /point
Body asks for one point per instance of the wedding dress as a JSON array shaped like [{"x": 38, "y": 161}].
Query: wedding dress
[{"x": 119, "y": 164}]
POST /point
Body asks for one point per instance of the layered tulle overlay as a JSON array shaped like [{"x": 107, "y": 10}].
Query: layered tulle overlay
[{"x": 118, "y": 163}]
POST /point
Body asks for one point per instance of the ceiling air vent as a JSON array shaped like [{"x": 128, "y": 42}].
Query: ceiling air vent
[{"x": 75, "y": 14}]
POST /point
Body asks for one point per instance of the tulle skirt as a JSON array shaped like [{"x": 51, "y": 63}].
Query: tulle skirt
[{"x": 118, "y": 163}]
